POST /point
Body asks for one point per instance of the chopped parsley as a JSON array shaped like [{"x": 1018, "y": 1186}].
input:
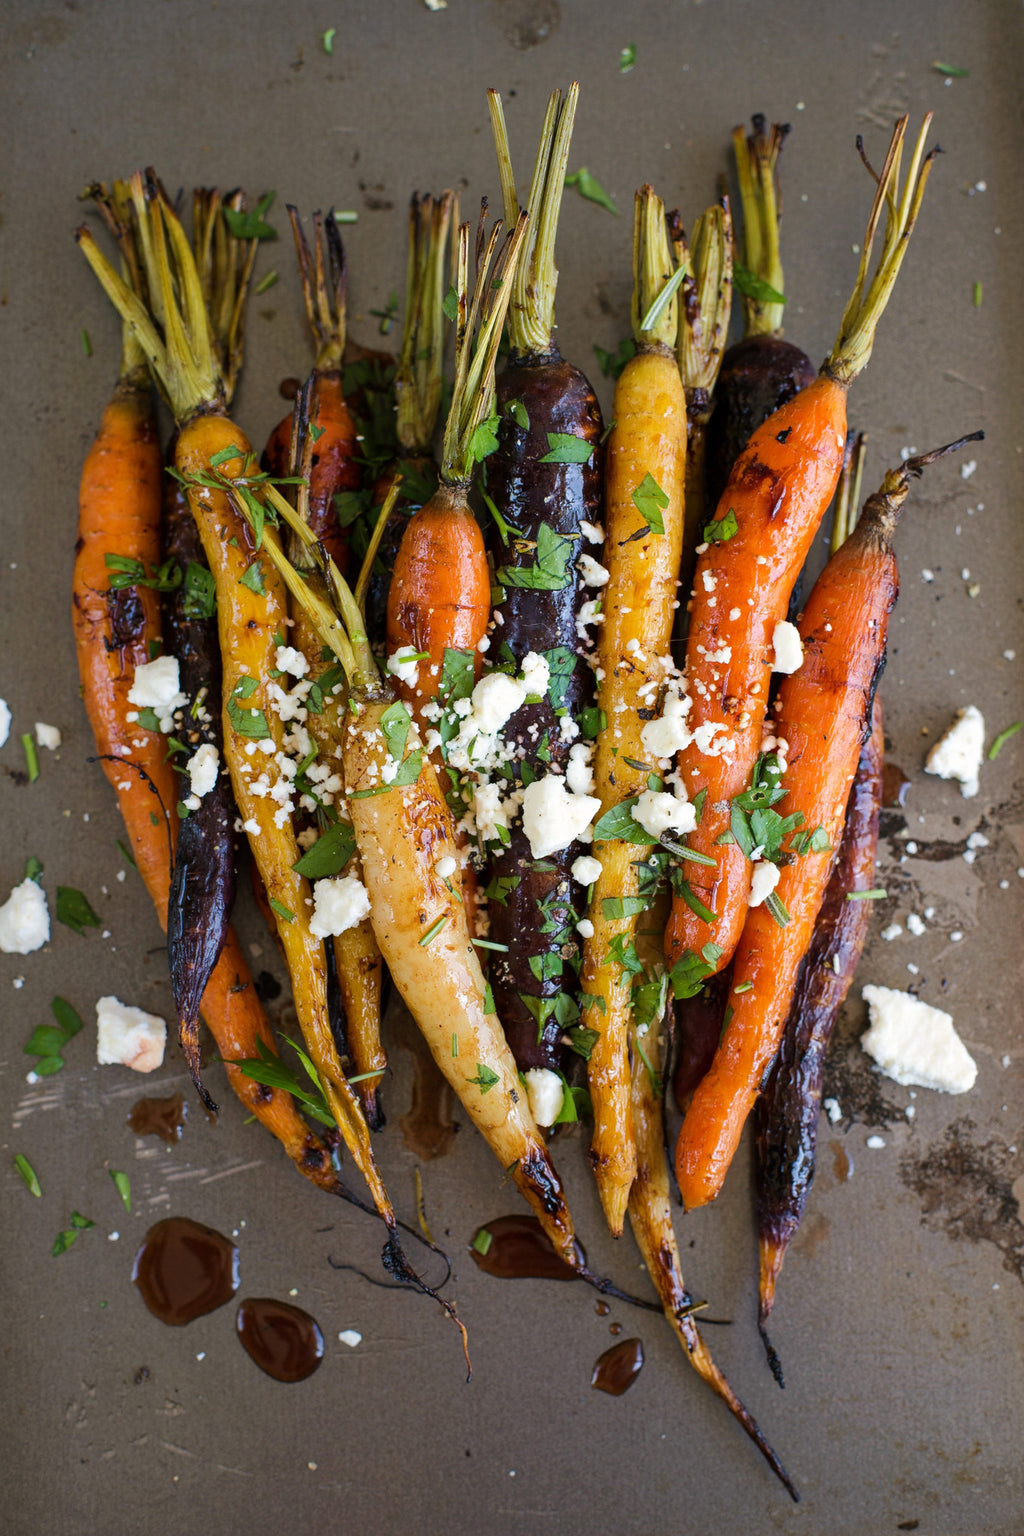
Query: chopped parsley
[
  {"x": 485, "y": 1078},
  {"x": 627, "y": 58},
  {"x": 268, "y": 1068},
  {"x": 329, "y": 854},
  {"x": 73, "y": 910},
  {"x": 721, "y": 529},
  {"x": 650, "y": 501},
  {"x": 251, "y": 224},
  {"x": 690, "y": 971},
  {"x": 753, "y": 287},
  {"x": 28, "y": 1175},
  {"x": 567, "y": 448},
  {"x": 199, "y": 599},
  {"x": 123, "y": 1185},
  {"x": 282, "y": 911},
  {"x": 612, "y": 363},
  {"x": 1001, "y": 740},
  {"x": 588, "y": 186},
  {"x": 550, "y": 573},
  {"x": 252, "y": 578}
]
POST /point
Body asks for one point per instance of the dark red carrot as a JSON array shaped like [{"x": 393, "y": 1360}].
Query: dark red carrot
[{"x": 545, "y": 482}]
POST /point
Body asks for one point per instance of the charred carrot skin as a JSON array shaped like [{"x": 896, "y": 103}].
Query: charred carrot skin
[
  {"x": 537, "y": 917},
  {"x": 777, "y": 492},
  {"x": 119, "y": 514},
  {"x": 759, "y": 374},
  {"x": 698, "y": 1029},
  {"x": 786, "y": 1114},
  {"x": 824, "y": 714},
  {"x": 335, "y": 466}
]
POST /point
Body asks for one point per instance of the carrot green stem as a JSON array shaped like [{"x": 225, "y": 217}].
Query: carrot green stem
[
  {"x": 756, "y": 158},
  {"x": 324, "y": 284},
  {"x": 852, "y": 348},
  {"x": 531, "y": 315},
  {"x": 419, "y": 381},
  {"x": 655, "y": 278},
  {"x": 848, "y": 493},
  {"x": 225, "y": 266},
  {"x": 706, "y": 298},
  {"x": 477, "y": 337}
]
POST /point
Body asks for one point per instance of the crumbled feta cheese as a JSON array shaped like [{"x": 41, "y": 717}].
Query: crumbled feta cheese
[
  {"x": 787, "y": 648},
  {"x": 24, "y": 920},
  {"x": 892, "y": 932},
  {"x": 338, "y": 905},
  {"x": 913, "y": 1042},
  {"x": 876, "y": 1143},
  {"x": 494, "y": 700},
  {"x": 704, "y": 739},
  {"x": 203, "y": 767},
  {"x": 48, "y": 736},
  {"x": 664, "y": 737},
  {"x": 763, "y": 881},
  {"x": 592, "y": 532},
  {"x": 546, "y": 1093},
  {"x": 586, "y": 869},
  {"x": 553, "y": 817},
  {"x": 128, "y": 1037},
  {"x": 977, "y": 840},
  {"x": 834, "y": 1110},
  {"x": 593, "y": 575},
  {"x": 567, "y": 728},
  {"x": 915, "y": 925},
  {"x": 446, "y": 867},
  {"x": 251, "y": 826},
  {"x": 5, "y": 722},
  {"x": 579, "y": 771},
  {"x": 536, "y": 673},
  {"x": 402, "y": 666},
  {"x": 658, "y": 812},
  {"x": 291, "y": 661},
  {"x": 156, "y": 686},
  {"x": 958, "y": 754},
  {"x": 967, "y": 470},
  {"x": 491, "y": 811},
  {"x": 351, "y": 1336},
  {"x": 590, "y": 613}
]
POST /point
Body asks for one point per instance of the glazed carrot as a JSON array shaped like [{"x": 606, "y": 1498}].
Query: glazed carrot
[
  {"x": 705, "y": 305},
  {"x": 119, "y": 504},
  {"x": 754, "y": 549},
  {"x": 762, "y": 370},
  {"x": 405, "y": 834},
  {"x": 335, "y": 467},
  {"x": 824, "y": 714},
  {"x": 439, "y": 602},
  {"x": 650, "y": 1209},
  {"x": 212, "y": 456},
  {"x": 645, "y": 483}
]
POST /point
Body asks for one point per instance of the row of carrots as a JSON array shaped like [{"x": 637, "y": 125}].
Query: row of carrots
[{"x": 483, "y": 750}]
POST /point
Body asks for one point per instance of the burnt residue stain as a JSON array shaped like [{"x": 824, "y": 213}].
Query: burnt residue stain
[
  {"x": 851, "y": 1079},
  {"x": 842, "y": 1163},
  {"x": 184, "y": 1270},
  {"x": 616, "y": 1370},
  {"x": 427, "y": 1127},
  {"x": 375, "y": 196},
  {"x": 283, "y": 1340},
  {"x": 525, "y": 23},
  {"x": 966, "y": 1190},
  {"x": 159, "y": 1117}
]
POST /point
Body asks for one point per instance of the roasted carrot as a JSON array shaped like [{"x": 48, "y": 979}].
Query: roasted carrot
[
  {"x": 439, "y": 602},
  {"x": 754, "y": 549},
  {"x": 405, "y": 834},
  {"x": 203, "y": 879},
  {"x": 650, "y": 1209},
  {"x": 335, "y": 467},
  {"x": 212, "y": 456},
  {"x": 823, "y": 716},
  {"x": 644, "y": 503},
  {"x": 786, "y": 1114},
  {"x": 119, "y": 503},
  {"x": 545, "y": 483},
  {"x": 762, "y": 370},
  {"x": 704, "y": 309}
]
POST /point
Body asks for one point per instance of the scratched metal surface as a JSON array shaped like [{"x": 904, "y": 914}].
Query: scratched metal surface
[{"x": 899, "y": 1318}]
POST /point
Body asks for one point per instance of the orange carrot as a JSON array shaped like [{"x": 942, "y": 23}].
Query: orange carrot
[
  {"x": 753, "y": 551},
  {"x": 824, "y": 715}
]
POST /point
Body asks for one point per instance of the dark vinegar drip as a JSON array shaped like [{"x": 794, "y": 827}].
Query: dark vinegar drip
[
  {"x": 184, "y": 1270},
  {"x": 289, "y": 388},
  {"x": 519, "y": 1250},
  {"x": 842, "y": 1165},
  {"x": 616, "y": 1370},
  {"x": 283, "y": 1340},
  {"x": 602, "y": 1308},
  {"x": 614, "y": 1329},
  {"x": 159, "y": 1117}
]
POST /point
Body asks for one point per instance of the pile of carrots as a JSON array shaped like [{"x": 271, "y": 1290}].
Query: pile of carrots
[{"x": 507, "y": 722}]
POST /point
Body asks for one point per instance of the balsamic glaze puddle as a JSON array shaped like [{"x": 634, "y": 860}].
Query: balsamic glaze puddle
[
  {"x": 284, "y": 1341},
  {"x": 159, "y": 1117},
  {"x": 184, "y": 1270},
  {"x": 519, "y": 1250},
  {"x": 616, "y": 1370}
]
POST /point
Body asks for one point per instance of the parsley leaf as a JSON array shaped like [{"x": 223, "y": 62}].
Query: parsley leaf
[
  {"x": 650, "y": 501},
  {"x": 622, "y": 906},
  {"x": 73, "y": 910},
  {"x": 247, "y": 722},
  {"x": 395, "y": 723},
  {"x": 721, "y": 529},
  {"x": 617, "y": 825},
  {"x": 485, "y": 1078},
  {"x": 28, "y": 1174},
  {"x": 329, "y": 854},
  {"x": 252, "y": 578},
  {"x": 199, "y": 599},
  {"x": 583, "y": 1040},
  {"x": 550, "y": 573},
  {"x": 627, "y": 58},
  {"x": 753, "y": 287},
  {"x": 690, "y": 971},
  {"x": 450, "y": 306},
  {"x": 612, "y": 363},
  {"x": 123, "y": 1185},
  {"x": 567, "y": 448},
  {"x": 251, "y": 224},
  {"x": 484, "y": 440},
  {"x": 561, "y": 666},
  {"x": 588, "y": 186}
]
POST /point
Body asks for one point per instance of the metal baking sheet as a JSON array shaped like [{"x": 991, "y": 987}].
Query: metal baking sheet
[{"x": 899, "y": 1317}]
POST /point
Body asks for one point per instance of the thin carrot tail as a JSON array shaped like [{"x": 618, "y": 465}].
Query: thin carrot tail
[
  {"x": 709, "y": 1372},
  {"x": 188, "y": 1034},
  {"x": 772, "y": 1256}
]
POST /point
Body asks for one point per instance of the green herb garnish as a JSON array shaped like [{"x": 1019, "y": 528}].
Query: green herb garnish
[
  {"x": 485, "y": 1078},
  {"x": 588, "y": 186},
  {"x": 627, "y": 58},
  {"x": 281, "y": 910},
  {"x": 28, "y": 1174},
  {"x": 753, "y": 287},
  {"x": 122, "y": 1184},
  {"x": 719, "y": 530},
  {"x": 1001, "y": 740},
  {"x": 876, "y": 895},
  {"x": 566, "y": 448},
  {"x": 550, "y": 573},
  {"x": 252, "y": 577},
  {"x": 650, "y": 501},
  {"x": 329, "y": 854},
  {"x": 251, "y": 224},
  {"x": 31, "y": 757},
  {"x": 73, "y": 910}
]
